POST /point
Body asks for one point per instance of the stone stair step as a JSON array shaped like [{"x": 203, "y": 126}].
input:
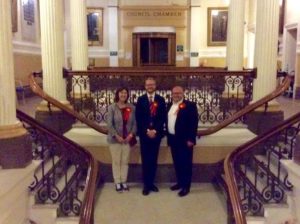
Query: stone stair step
[
  {"x": 14, "y": 193},
  {"x": 255, "y": 220},
  {"x": 209, "y": 149}
]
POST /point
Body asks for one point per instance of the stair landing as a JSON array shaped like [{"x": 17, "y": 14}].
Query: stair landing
[{"x": 209, "y": 149}]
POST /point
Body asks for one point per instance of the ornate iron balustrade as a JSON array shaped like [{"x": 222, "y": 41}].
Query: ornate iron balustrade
[
  {"x": 217, "y": 93},
  {"x": 256, "y": 170},
  {"x": 65, "y": 171}
]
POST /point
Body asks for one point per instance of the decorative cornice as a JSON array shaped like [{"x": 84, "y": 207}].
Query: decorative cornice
[{"x": 26, "y": 48}]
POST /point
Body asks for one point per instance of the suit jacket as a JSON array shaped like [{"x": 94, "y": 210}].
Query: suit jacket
[
  {"x": 144, "y": 119},
  {"x": 115, "y": 122},
  {"x": 186, "y": 124}
]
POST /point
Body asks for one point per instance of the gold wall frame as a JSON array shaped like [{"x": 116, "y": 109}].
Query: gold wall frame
[
  {"x": 14, "y": 15},
  {"x": 217, "y": 20},
  {"x": 95, "y": 26},
  {"x": 281, "y": 16}
]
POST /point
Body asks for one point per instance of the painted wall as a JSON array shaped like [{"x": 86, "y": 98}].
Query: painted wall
[
  {"x": 26, "y": 45},
  {"x": 154, "y": 2},
  {"x": 292, "y": 21},
  {"x": 208, "y": 56},
  {"x": 292, "y": 10}
]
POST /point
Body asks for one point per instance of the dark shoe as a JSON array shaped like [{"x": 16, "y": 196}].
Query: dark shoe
[
  {"x": 183, "y": 192},
  {"x": 154, "y": 188},
  {"x": 146, "y": 191},
  {"x": 175, "y": 187},
  {"x": 119, "y": 188},
  {"x": 125, "y": 187}
]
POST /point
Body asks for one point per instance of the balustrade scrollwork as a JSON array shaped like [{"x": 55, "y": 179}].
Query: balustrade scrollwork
[
  {"x": 61, "y": 176},
  {"x": 217, "y": 93},
  {"x": 260, "y": 175}
]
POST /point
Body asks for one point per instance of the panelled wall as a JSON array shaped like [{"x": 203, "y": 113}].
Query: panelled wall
[{"x": 290, "y": 52}]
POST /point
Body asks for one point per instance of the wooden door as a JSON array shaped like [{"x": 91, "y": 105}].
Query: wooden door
[{"x": 154, "y": 49}]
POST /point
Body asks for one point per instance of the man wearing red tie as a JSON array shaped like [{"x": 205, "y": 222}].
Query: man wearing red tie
[
  {"x": 182, "y": 124},
  {"x": 150, "y": 117}
]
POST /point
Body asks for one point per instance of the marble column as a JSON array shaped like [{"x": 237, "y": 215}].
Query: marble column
[
  {"x": 265, "y": 60},
  {"x": 297, "y": 67},
  {"x": 195, "y": 36},
  {"x": 235, "y": 51},
  {"x": 297, "y": 74},
  {"x": 113, "y": 33},
  {"x": 52, "y": 47},
  {"x": 15, "y": 148},
  {"x": 52, "y": 44},
  {"x": 251, "y": 33},
  {"x": 265, "y": 55},
  {"x": 235, "y": 35},
  {"x": 79, "y": 42}
]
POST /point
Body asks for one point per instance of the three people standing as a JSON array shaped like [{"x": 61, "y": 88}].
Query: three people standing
[{"x": 149, "y": 118}]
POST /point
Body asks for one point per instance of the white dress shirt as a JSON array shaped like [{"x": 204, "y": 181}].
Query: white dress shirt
[
  {"x": 172, "y": 116},
  {"x": 152, "y": 95}
]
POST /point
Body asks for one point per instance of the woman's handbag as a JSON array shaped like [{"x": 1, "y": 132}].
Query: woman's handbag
[{"x": 132, "y": 141}]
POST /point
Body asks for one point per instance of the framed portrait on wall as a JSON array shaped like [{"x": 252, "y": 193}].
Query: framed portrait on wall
[
  {"x": 28, "y": 23},
  {"x": 95, "y": 26},
  {"x": 14, "y": 15},
  {"x": 281, "y": 16},
  {"x": 217, "y": 20}
]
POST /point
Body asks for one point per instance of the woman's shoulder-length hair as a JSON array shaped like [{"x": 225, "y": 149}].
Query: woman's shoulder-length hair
[{"x": 116, "y": 99}]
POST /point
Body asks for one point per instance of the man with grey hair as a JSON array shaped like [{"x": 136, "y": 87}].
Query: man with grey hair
[{"x": 182, "y": 124}]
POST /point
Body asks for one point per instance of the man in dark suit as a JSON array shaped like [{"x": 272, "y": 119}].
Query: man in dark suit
[
  {"x": 182, "y": 124},
  {"x": 150, "y": 118}
]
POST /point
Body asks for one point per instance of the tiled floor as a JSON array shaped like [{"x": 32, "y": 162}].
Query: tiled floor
[{"x": 204, "y": 205}]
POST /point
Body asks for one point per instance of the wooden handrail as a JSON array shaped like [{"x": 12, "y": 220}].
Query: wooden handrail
[
  {"x": 161, "y": 71},
  {"x": 87, "y": 211},
  {"x": 233, "y": 156},
  {"x": 37, "y": 90},
  {"x": 279, "y": 90}
]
